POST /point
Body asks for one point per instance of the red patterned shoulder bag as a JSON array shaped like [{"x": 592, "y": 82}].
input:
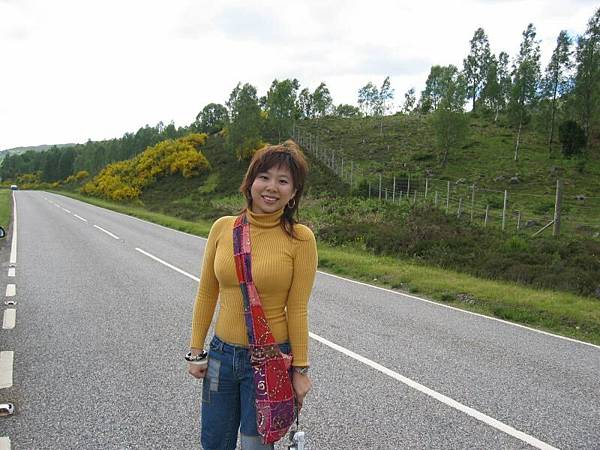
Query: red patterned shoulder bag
[{"x": 275, "y": 409}]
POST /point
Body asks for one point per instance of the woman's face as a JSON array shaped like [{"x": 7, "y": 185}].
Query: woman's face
[{"x": 272, "y": 190}]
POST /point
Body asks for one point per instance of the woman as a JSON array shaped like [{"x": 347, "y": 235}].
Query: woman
[{"x": 284, "y": 263}]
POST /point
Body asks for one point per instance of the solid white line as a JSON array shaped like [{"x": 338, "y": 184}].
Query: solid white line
[
  {"x": 107, "y": 232},
  {"x": 463, "y": 311},
  {"x": 11, "y": 290},
  {"x": 171, "y": 266},
  {"x": 9, "y": 319},
  {"x": 13, "y": 247},
  {"x": 383, "y": 289},
  {"x": 11, "y": 272},
  {"x": 6, "y": 369},
  {"x": 4, "y": 443},
  {"x": 439, "y": 397},
  {"x": 80, "y": 218}
]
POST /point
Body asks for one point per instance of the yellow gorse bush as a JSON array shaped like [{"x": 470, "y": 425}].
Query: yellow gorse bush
[{"x": 125, "y": 180}]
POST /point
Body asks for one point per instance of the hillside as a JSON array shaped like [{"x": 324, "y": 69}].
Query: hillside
[{"x": 35, "y": 148}]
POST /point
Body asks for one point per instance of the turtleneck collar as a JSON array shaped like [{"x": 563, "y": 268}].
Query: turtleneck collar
[{"x": 268, "y": 220}]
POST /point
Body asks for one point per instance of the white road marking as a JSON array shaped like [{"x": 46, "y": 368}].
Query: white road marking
[
  {"x": 170, "y": 266},
  {"x": 4, "y": 443},
  {"x": 413, "y": 384},
  {"x": 463, "y": 310},
  {"x": 6, "y": 369},
  {"x": 13, "y": 246},
  {"x": 439, "y": 397},
  {"x": 384, "y": 289},
  {"x": 11, "y": 290},
  {"x": 66, "y": 210},
  {"x": 80, "y": 218},
  {"x": 107, "y": 232},
  {"x": 11, "y": 272},
  {"x": 9, "y": 319}
]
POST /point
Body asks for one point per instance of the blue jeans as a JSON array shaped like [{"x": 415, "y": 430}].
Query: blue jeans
[{"x": 228, "y": 399}]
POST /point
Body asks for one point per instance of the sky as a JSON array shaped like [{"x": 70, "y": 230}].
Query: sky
[{"x": 73, "y": 70}]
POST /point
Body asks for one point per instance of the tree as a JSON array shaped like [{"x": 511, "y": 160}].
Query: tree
[
  {"x": 368, "y": 96},
  {"x": 382, "y": 105},
  {"x": 476, "y": 64},
  {"x": 526, "y": 74},
  {"x": 345, "y": 111},
  {"x": 409, "y": 101},
  {"x": 556, "y": 80},
  {"x": 321, "y": 100},
  {"x": 305, "y": 104},
  {"x": 587, "y": 79},
  {"x": 386, "y": 95},
  {"x": 436, "y": 86},
  {"x": 498, "y": 84},
  {"x": 449, "y": 120},
  {"x": 281, "y": 105},
  {"x": 244, "y": 129},
  {"x": 212, "y": 118}
]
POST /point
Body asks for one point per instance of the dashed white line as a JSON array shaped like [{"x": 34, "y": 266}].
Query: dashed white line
[
  {"x": 170, "y": 266},
  {"x": 107, "y": 232},
  {"x": 11, "y": 290},
  {"x": 66, "y": 210},
  {"x": 9, "y": 319},
  {"x": 11, "y": 272},
  {"x": 4, "y": 443},
  {"x": 80, "y": 218},
  {"x": 413, "y": 384},
  {"x": 6, "y": 369}
]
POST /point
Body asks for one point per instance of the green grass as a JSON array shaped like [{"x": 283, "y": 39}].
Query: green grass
[
  {"x": 558, "y": 312},
  {"x": 407, "y": 145},
  {"x": 5, "y": 204}
]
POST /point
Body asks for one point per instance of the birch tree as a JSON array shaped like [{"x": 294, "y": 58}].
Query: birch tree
[{"x": 526, "y": 74}]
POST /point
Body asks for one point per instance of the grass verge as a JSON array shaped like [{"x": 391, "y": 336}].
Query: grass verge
[
  {"x": 557, "y": 312},
  {"x": 5, "y": 204}
]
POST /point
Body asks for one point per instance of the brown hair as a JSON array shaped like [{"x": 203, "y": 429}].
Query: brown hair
[{"x": 286, "y": 155}]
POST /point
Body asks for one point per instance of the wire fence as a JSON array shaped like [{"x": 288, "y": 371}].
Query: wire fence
[{"x": 561, "y": 209}]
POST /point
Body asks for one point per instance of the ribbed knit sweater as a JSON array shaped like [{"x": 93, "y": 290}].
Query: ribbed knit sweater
[{"x": 283, "y": 269}]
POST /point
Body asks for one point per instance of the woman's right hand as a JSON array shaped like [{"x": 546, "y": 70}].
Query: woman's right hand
[{"x": 197, "y": 371}]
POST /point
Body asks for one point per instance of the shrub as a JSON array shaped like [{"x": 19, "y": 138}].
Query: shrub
[
  {"x": 125, "y": 180},
  {"x": 571, "y": 137}
]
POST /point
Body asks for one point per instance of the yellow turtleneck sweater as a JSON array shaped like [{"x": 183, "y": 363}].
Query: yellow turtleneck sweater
[{"x": 283, "y": 269}]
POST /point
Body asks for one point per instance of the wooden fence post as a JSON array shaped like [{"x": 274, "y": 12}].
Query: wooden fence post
[
  {"x": 394, "y": 190},
  {"x": 472, "y": 202},
  {"x": 487, "y": 209},
  {"x": 448, "y": 198},
  {"x": 557, "y": 207},
  {"x": 504, "y": 210}
]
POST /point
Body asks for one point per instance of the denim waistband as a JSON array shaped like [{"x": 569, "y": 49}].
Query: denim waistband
[{"x": 219, "y": 344}]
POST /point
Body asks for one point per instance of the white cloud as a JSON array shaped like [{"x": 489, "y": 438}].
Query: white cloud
[{"x": 76, "y": 70}]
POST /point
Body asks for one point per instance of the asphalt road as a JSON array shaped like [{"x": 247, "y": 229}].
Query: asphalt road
[{"x": 101, "y": 329}]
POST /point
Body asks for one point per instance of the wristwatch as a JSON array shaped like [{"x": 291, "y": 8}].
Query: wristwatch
[{"x": 301, "y": 370}]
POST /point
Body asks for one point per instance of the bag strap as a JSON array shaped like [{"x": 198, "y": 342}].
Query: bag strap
[{"x": 259, "y": 332}]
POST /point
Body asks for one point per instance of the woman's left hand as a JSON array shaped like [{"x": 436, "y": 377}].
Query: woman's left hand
[{"x": 301, "y": 384}]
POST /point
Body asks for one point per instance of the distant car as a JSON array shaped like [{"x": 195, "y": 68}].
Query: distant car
[{"x": 14, "y": 187}]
